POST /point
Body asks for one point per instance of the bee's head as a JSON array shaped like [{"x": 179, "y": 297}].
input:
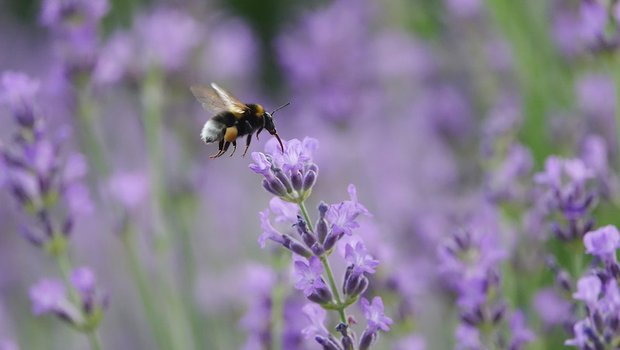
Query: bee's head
[{"x": 269, "y": 125}]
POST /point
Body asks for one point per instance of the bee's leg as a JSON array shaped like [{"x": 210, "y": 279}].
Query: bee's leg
[
  {"x": 234, "y": 143},
  {"x": 219, "y": 150},
  {"x": 226, "y": 145},
  {"x": 248, "y": 140}
]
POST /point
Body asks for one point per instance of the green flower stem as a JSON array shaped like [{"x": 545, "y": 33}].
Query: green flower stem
[
  {"x": 86, "y": 114},
  {"x": 95, "y": 343},
  {"x": 334, "y": 288},
  {"x": 139, "y": 278},
  {"x": 153, "y": 104},
  {"x": 340, "y": 307},
  {"x": 65, "y": 267},
  {"x": 304, "y": 212}
]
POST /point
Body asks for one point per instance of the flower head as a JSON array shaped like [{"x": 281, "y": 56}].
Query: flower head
[
  {"x": 343, "y": 216},
  {"x": 603, "y": 242},
  {"x": 167, "y": 37},
  {"x": 316, "y": 315},
  {"x": 360, "y": 259},
  {"x": 308, "y": 276},
  {"x": 291, "y": 174},
  {"x": 375, "y": 316},
  {"x": 48, "y": 295}
]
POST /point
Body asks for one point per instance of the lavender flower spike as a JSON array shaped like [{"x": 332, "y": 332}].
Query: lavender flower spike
[{"x": 289, "y": 175}]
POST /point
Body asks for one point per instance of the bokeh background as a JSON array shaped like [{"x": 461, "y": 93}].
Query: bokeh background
[{"x": 440, "y": 112}]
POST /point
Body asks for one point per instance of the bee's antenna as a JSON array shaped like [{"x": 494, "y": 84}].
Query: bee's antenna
[{"x": 279, "y": 108}]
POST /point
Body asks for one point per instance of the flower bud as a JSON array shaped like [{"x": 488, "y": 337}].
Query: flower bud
[{"x": 297, "y": 180}]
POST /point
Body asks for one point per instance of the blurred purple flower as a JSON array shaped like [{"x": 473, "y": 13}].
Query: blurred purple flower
[
  {"x": 129, "y": 188},
  {"x": 115, "y": 59},
  {"x": 521, "y": 334},
  {"x": 467, "y": 337},
  {"x": 374, "y": 314},
  {"x": 67, "y": 12},
  {"x": 448, "y": 111},
  {"x": 84, "y": 280},
  {"x": 269, "y": 232},
  {"x": 552, "y": 308},
  {"x": 593, "y": 20},
  {"x": 412, "y": 342},
  {"x": 596, "y": 94},
  {"x": 469, "y": 255},
  {"x": 43, "y": 179},
  {"x": 600, "y": 326},
  {"x": 232, "y": 50},
  {"x": 316, "y": 315},
  {"x": 588, "y": 290},
  {"x": 166, "y": 38},
  {"x": 8, "y": 345},
  {"x": 564, "y": 182},
  {"x": 603, "y": 243},
  {"x": 48, "y": 295},
  {"x": 308, "y": 276},
  {"x": 567, "y": 32},
  {"x": 464, "y": 8},
  {"x": 19, "y": 92},
  {"x": 506, "y": 181},
  {"x": 360, "y": 259},
  {"x": 284, "y": 211}
]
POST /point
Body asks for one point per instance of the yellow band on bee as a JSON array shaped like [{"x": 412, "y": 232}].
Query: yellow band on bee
[
  {"x": 231, "y": 134},
  {"x": 260, "y": 110}
]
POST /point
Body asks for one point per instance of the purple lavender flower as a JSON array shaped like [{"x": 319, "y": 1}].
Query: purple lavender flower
[
  {"x": 289, "y": 175},
  {"x": 232, "y": 49},
  {"x": 316, "y": 315},
  {"x": 552, "y": 308},
  {"x": 114, "y": 60},
  {"x": 593, "y": 20},
  {"x": 469, "y": 255},
  {"x": 565, "y": 182},
  {"x": 19, "y": 92},
  {"x": 72, "y": 12},
  {"x": 48, "y": 295},
  {"x": 83, "y": 279},
  {"x": 343, "y": 216},
  {"x": 603, "y": 243},
  {"x": 375, "y": 316},
  {"x": 129, "y": 188},
  {"x": 464, "y": 8},
  {"x": 360, "y": 259},
  {"x": 588, "y": 290},
  {"x": 521, "y": 334},
  {"x": 467, "y": 337},
  {"x": 74, "y": 24},
  {"x": 40, "y": 180},
  {"x": 599, "y": 329},
  {"x": 308, "y": 277},
  {"x": 167, "y": 38}
]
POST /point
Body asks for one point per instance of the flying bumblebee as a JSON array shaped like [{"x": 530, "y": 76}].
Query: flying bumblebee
[{"x": 232, "y": 119}]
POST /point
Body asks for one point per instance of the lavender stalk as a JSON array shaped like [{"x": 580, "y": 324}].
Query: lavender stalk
[{"x": 290, "y": 177}]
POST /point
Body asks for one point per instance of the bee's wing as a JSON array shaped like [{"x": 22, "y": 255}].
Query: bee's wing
[{"x": 216, "y": 99}]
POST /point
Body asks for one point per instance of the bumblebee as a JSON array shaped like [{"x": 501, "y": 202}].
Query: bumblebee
[{"x": 232, "y": 119}]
